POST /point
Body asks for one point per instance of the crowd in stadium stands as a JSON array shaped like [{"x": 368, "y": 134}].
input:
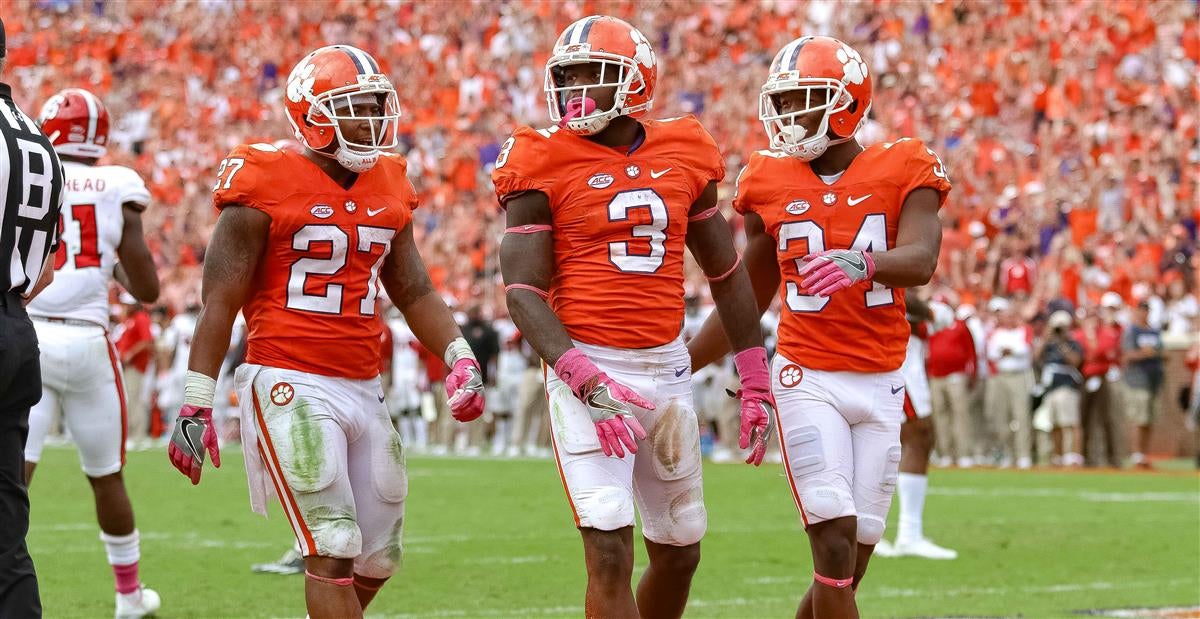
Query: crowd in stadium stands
[{"x": 1070, "y": 131}]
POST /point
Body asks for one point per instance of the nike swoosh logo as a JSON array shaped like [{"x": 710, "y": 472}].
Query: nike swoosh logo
[
  {"x": 374, "y": 212},
  {"x": 852, "y": 201},
  {"x": 185, "y": 427},
  {"x": 654, "y": 174},
  {"x": 896, "y": 390},
  {"x": 854, "y": 261},
  {"x": 679, "y": 372}
]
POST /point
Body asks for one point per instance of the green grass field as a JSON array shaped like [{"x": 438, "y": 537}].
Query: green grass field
[{"x": 494, "y": 538}]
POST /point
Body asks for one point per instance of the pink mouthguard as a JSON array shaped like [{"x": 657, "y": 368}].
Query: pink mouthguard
[{"x": 579, "y": 106}]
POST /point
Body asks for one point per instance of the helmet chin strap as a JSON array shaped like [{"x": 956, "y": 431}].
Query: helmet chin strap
[{"x": 351, "y": 160}]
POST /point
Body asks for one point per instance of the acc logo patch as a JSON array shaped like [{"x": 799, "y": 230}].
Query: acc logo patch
[
  {"x": 600, "y": 180},
  {"x": 791, "y": 375},
  {"x": 797, "y": 207},
  {"x": 282, "y": 394},
  {"x": 322, "y": 211}
]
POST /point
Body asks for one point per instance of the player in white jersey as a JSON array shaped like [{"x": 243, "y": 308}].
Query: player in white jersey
[
  {"x": 176, "y": 338},
  {"x": 917, "y": 433},
  {"x": 404, "y": 398},
  {"x": 101, "y": 229}
]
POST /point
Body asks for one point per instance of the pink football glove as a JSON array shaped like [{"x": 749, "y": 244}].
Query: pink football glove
[
  {"x": 193, "y": 435},
  {"x": 758, "y": 405},
  {"x": 836, "y": 269},
  {"x": 607, "y": 402},
  {"x": 464, "y": 390}
]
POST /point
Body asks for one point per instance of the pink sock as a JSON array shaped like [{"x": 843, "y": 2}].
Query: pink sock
[{"x": 127, "y": 577}]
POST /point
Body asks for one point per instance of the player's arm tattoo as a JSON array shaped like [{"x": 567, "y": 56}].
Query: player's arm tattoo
[
  {"x": 136, "y": 264},
  {"x": 527, "y": 263},
  {"x": 710, "y": 343},
  {"x": 711, "y": 243},
  {"x": 230, "y": 265},
  {"x": 408, "y": 285},
  {"x": 918, "y": 241}
]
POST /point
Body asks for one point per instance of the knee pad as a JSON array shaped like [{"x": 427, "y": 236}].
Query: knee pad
[
  {"x": 382, "y": 561},
  {"x": 334, "y": 531},
  {"x": 606, "y": 508},
  {"x": 870, "y": 529},
  {"x": 825, "y": 502},
  {"x": 685, "y": 523}
]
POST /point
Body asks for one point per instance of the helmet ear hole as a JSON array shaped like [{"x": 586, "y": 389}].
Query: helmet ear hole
[{"x": 853, "y": 106}]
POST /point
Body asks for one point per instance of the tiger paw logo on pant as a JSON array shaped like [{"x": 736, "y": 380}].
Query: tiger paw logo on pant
[
  {"x": 791, "y": 375},
  {"x": 282, "y": 394}
]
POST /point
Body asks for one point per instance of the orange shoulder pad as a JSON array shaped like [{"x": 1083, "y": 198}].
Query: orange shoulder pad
[
  {"x": 396, "y": 167},
  {"x": 525, "y": 163},
  {"x": 696, "y": 147},
  {"x": 244, "y": 177},
  {"x": 755, "y": 176},
  {"x": 920, "y": 167}
]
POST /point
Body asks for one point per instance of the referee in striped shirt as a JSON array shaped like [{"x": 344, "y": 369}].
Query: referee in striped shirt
[{"x": 31, "y": 191}]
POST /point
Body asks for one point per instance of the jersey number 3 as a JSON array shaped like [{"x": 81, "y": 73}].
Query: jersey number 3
[
  {"x": 871, "y": 236},
  {"x": 654, "y": 232}
]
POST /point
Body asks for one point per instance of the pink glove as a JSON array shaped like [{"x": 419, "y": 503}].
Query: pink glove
[
  {"x": 836, "y": 269},
  {"x": 464, "y": 390},
  {"x": 193, "y": 435},
  {"x": 758, "y": 405},
  {"x": 607, "y": 402}
]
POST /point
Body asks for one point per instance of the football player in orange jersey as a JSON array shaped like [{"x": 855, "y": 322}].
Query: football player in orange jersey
[
  {"x": 301, "y": 246},
  {"x": 599, "y": 209},
  {"x": 836, "y": 230}
]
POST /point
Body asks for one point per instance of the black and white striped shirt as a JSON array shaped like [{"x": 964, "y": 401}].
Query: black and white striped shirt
[{"x": 31, "y": 195}]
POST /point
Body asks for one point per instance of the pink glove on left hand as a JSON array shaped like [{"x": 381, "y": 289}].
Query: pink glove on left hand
[
  {"x": 835, "y": 269},
  {"x": 758, "y": 405},
  {"x": 464, "y": 390},
  {"x": 194, "y": 434}
]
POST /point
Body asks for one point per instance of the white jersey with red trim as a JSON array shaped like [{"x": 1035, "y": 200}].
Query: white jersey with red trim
[{"x": 90, "y": 226}]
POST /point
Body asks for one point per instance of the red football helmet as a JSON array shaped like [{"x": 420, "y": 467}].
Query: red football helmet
[
  {"x": 810, "y": 64},
  {"x": 619, "y": 48},
  {"x": 322, "y": 93},
  {"x": 76, "y": 123}
]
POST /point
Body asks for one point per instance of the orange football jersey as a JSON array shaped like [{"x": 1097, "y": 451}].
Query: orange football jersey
[
  {"x": 861, "y": 328},
  {"x": 313, "y": 305},
  {"x": 619, "y": 222}
]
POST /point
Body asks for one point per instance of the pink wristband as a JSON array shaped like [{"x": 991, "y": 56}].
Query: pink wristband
[
  {"x": 341, "y": 582},
  {"x": 702, "y": 215},
  {"x": 574, "y": 369},
  {"x": 528, "y": 229},
  {"x": 538, "y": 291},
  {"x": 724, "y": 276},
  {"x": 751, "y": 367},
  {"x": 836, "y": 583}
]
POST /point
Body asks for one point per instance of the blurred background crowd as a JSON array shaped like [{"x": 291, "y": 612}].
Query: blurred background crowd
[{"x": 1069, "y": 129}]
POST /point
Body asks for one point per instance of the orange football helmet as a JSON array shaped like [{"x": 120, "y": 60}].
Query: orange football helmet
[
  {"x": 619, "y": 48},
  {"x": 809, "y": 64},
  {"x": 76, "y": 123},
  {"x": 323, "y": 91}
]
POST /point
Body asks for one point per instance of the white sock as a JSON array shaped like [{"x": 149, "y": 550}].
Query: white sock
[
  {"x": 122, "y": 549},
  {"x": 404, "y": 426},
  {"x": 911, "y": 492},
  {"x": 420, "y": 430},
  {"x": 500, "y": 439}
]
